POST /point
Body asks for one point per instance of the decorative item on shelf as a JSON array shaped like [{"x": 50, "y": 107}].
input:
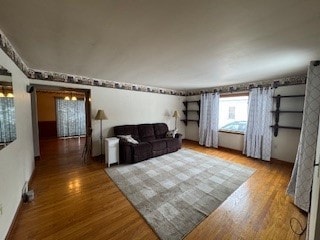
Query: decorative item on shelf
[
  {"x": 176, "y": 115},
  {"x": 100, "y": 116}
]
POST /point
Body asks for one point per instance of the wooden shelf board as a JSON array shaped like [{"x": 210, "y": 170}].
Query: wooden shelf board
[
  {"x": 289, "y": 96},
  {"x": 287, "y": 127},
  {"x": 287, "y": 111}
]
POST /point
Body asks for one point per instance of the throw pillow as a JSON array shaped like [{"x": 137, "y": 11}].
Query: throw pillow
[
  {"x": 172, "y": 133},
  {"x": 128, "y": 138}
]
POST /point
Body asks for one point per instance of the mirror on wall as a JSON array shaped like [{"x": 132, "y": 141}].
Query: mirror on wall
[{"x": 7, "y": 110}]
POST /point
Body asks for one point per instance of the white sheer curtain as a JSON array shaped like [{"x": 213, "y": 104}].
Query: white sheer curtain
[
  {"x": 300, "y": 184},
  {"x": 257, "y": 139},
  {"x": 209, "y": 119},
  {"x": 7, "y": 120},
  {"x": 71, "y": 120}
]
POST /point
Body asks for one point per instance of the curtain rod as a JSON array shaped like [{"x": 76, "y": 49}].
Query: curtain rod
[{"x": 231, "y": 90}]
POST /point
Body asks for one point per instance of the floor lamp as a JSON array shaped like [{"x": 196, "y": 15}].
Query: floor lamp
[
  {"x": 100, "y": 116},
  {"x": 176, "y": 115}
]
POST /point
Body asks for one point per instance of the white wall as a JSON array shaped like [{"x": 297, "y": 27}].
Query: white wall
[
  {"x": 126, "y": 107},
  {"x": 17, "y": 159},
  {"x": 284, "y": 146}
]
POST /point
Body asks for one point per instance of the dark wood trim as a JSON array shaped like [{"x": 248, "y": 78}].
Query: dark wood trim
[
  {"x": 234, "y": 94},
  {"x": 277, "y": 161},
  {"x": 289, "y": 96},
  {"x": 47, "y": 129}
]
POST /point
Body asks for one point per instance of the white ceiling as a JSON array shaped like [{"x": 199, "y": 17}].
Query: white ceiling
[{"x": 176, "y": 44}]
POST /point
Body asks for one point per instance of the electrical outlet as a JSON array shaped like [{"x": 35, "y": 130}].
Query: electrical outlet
[{"x": 0, "y": 209}]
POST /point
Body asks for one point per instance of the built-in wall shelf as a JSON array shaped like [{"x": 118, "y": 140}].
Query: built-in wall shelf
[
  {"x": 277, "y": 113},
  {"x": 194, "y": 111},
  {"x": 187, "y": 112},
  {"x": 189, "y": 120}
]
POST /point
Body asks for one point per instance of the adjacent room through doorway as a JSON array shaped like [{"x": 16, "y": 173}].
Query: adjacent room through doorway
[{"x": 62, "y": 121}]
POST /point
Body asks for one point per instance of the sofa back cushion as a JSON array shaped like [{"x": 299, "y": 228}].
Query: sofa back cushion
[
  {"x": 160, "y": 130},
  {"x": 127, "y": 130},
  {"x": 146, "y": 132}
]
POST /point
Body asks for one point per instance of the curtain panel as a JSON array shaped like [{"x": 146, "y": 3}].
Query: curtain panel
[
  {"x": 300, "y": 184},
  {"x": 257, "y": 139},
  {"x": 71, "y": 120},
  {"x": 7, "y": 120},
  {"x": 209, "y": 120}
]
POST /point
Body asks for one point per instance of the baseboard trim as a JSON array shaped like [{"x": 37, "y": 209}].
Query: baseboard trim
[
  {"x": 219, "y": 147},
  {"x": 273, "y": 160},
  {"x": 13, "y": 223}
]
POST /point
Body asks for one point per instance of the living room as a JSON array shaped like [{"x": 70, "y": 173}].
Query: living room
[{"x": 138, "y": 76}]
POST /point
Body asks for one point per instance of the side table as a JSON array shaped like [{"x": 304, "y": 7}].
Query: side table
[{"x": 111, "y": 150}]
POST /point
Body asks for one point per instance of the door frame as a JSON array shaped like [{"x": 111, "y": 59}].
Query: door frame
[{"x": 34, "y": 108}]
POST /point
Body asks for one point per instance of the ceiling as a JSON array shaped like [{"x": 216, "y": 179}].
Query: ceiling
[{"x": 175, "y": 44}]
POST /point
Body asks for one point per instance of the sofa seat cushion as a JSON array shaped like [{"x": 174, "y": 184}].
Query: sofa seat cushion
[
  {"x": 158, "y": 144},
  {"x": 141, "y": 151}
]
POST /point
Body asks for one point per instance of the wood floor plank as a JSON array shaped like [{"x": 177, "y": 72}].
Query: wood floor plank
[{"x": 77, "y": 201}]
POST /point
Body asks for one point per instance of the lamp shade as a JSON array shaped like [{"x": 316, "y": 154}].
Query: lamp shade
[
  {"x": 176, "y": 114},
  {"x": 100, "y": 115},
  {"x": 10, "y": 95}
]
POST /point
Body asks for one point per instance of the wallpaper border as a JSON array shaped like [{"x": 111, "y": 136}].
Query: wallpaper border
[
  {"x": 7, "y": 47},
  {"x": 285, "y": 81}
]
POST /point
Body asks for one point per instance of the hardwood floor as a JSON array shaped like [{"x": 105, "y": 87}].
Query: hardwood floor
[{"x": 76, "y": 201}]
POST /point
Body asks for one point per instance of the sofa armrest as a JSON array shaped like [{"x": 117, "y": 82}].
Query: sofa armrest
[
  {"x": 125, "y": 143},
  {"x": 125, "y": 151},
  {"x": 178, "y": 135}
]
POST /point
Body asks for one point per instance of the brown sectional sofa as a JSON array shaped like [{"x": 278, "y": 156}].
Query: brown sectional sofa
[{"x": 152, "y": 142}]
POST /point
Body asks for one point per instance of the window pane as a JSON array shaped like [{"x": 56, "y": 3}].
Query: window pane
[{"x": 233, "y": 114}]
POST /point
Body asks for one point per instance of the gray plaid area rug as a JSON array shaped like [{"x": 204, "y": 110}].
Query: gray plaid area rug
[{"x": 177, "y": 191}]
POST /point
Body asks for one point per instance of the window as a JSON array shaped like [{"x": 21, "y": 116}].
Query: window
[
  {"x": 70, "y": 118},
  {"x": 7, "y": 121},
  {"x": 233, "y": 114}
]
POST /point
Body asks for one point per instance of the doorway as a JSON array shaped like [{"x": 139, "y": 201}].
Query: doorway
[{"x": 61, "y": 121}]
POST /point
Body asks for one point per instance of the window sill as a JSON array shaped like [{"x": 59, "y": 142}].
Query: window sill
[{"x": 232, "y": 132}]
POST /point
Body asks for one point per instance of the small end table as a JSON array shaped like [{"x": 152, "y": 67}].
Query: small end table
[{"x": 111, "y": 151}]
